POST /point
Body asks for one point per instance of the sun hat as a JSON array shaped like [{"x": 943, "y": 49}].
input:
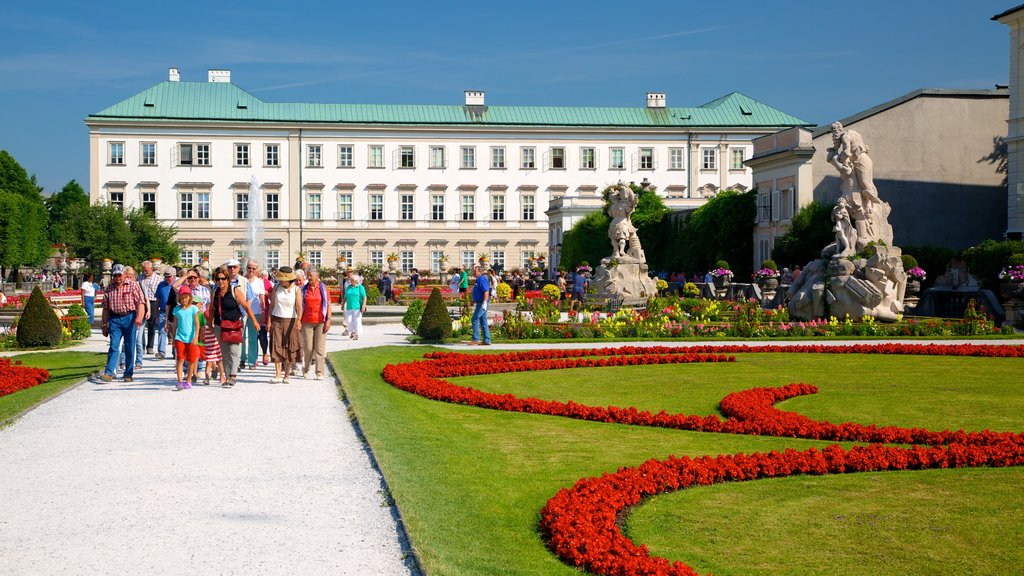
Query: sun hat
[
  {"x": 117, "y": 269},
  {"x": 184, "y": 290},
  {"x": 285, "y": 274},
  {"x": 232, "y": 262}
]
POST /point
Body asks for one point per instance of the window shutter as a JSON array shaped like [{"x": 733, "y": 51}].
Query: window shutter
[
  {"x": 776, "y": 206},
  {"x": 547, "y": 160},
  {"x": 634, "y": 161},
  {"x": 175, "y": 154}
]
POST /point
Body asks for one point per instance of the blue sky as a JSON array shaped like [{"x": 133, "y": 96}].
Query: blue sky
[{"x": 62, "y": 60}]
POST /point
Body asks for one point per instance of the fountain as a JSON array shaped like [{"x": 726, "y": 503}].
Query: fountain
[{"x": 255, "y": 231}]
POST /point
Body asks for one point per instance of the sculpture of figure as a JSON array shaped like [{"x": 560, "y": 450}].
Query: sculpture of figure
[
  {"x": 846, "y": 234},
  {"x": 621, "y": 231}
]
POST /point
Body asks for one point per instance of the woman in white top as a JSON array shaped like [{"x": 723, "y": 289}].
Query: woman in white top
[
  {"x": 284, "y": 325},
  {"x": 89, "y": 297}
]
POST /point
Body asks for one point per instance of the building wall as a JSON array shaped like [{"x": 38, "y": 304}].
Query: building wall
[
  {"x": 783, "y": 177},
  {"x": 928, "y": 164},
  {"x": 1015, "y": 130}
]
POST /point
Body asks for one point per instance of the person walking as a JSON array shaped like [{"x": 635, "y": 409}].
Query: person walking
[
  {"x": 579, "y": 288},
  {"x": 481, "y": 299},
  {"x": 463, "y": 281},
  {"x": 185, "y": 325},
  {"x": 228, "y": 308},
  {"x": 355, "y": 304},
  {"x": 414, "y": 280},
  {"x": 89, "y": 297},
  {"x": 316, "y": 321},
  {"x": 253, "y": 336},
  {"x": 165, "y": 300},
  {"x": 149, "y": 283},
  {"x": 453, "y": 285},
  {"x": 285, "y": 330},
  {"x": 123, "y": 311},
  {"x": 561, "y": 284},
  {"x": 129, "y": 274},
  {"x": 386, "y": 286}
]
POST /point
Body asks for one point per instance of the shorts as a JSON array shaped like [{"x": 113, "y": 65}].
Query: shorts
[
  {"x": 577, "y": 296},
  {"x": 187, "y": 351}
]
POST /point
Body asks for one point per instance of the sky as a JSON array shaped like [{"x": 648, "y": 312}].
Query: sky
[{"x": 63, "y": 60}]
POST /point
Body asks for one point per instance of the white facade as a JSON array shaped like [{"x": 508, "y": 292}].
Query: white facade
[{"x": 1014, "y": 18}]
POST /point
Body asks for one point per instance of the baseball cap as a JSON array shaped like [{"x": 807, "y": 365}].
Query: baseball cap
[
  {"x": 233, "y": 262},
  {"x": 184, "y": 290},
  {"x": 117, "y": 269},
  {"x": 169, "y": 271}
]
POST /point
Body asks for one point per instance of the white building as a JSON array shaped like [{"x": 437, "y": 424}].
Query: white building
[
  {"x": 365, "y": 181},
  {"x": 1014, "y": 18}
]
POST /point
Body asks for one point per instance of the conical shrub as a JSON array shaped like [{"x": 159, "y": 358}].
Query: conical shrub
[
  {"x": 435, "y": 323},
  {"x": 38, "y": 324}
]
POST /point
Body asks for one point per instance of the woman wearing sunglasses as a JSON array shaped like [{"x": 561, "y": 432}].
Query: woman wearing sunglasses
[{"x": 226, "y": 309}]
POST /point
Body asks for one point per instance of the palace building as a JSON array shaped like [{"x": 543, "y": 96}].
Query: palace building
[{"x": 423, "y": 182}]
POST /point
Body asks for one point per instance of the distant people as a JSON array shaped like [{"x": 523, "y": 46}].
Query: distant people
[
  {"x": 481, "y": 299},
  {"x": 561, "y": 284},
  {"x": 129, "y": 274},
  {"x": 123, "y": 312},
  {"x": 316, "y": 321},
  {"x": 88, "y": 297},
  {"x": 579, "y": 289},
  {"x": 185, "y": 326},
  {"x": 355, "y": 304},
  {"x": 285, "y": 328},
  {"x": 709, "y": 279},
  {"x": 463, "y": 280},
  {"x": 786, "y": 278},
  {"x": 254, "y": 338},
  {"x": 165, "y": 302},
  {"x": 414, "y": 280},
  {"x": 796, "y": 274},
  {"x": 453, "y": 284},
  {"x": 386, "y": 286},
  {"x": 149, "y": 282}
]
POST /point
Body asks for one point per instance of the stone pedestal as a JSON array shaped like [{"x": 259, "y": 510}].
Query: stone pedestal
[
  {"x": 1015, "y": 312},
  {"x": 626, "y": 277}
]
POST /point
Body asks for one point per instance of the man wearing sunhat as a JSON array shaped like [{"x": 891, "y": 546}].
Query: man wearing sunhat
[{"x": 124, "y": 307}]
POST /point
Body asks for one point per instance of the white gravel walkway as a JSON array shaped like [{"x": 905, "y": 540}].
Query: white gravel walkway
[{"x": 134, "y": 478}]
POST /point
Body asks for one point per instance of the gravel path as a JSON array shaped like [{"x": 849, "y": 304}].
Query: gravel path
[{"x": 134, "y": 478}]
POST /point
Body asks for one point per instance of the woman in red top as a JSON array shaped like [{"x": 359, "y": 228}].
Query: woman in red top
[{"x": 316, "y": 321}]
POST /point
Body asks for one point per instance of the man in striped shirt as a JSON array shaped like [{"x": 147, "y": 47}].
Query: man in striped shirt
[{"x": 124, "y": 307}]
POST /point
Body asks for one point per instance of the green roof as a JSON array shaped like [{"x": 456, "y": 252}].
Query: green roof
[{"x": 226, "y": 102}]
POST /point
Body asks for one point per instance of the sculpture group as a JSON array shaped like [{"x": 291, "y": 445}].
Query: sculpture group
[
  {"x": 861, "y": 273},
  {"x": 624, "y": 273}
]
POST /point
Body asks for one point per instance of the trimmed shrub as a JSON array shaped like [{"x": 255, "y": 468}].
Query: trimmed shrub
[
  {"x": 690, "y": 290},
  {"x": 908, "y": 261},
  {"x": 504, "y": 291},
  {"x": 934, "y": 259},
  {"x": 435, "y": 324},
  {"x": 38, "y": 325},
  {"x": 551, "y": 292},
  {"x": 79, "y": 327},
  {"x": 373, "y": 294},
  {"x": 1015, "y": 260},
  {"x": 413, "y": 314},
  {"x": 770, "y": 264},
  {"x": 986, "y": 259},
  {"x": 722, "y": 264}
]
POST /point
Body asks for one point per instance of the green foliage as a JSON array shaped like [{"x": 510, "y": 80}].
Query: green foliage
[
  {"x": 551, "y": 292},
  {"x": 1016, "y": 259},
  {"x": 934, "y": 259},
  {"x": 80, "y": 327},
  {"x": 722, "y": 229},
  {"x": 722, "y": 264},
  {"x": 435, "y": 323},
  {"x": 810, "y": 231},
  {"x": 770, "y": 264},
  {"x": 504, "y": 291},
  {"x": 369, "y": 270},
  {"x": 908, "y": 261},
  {"x": 413, "y": 314},
  {"x": 986, "y": 259},
  {"x": 23, "y": 218},
  {"x": 103, "y": 231},
  {"x": 373, "y": 294},
  {"x": 38, "y": 325},
  {"x": 691, "y": 290},
  {"x": 58, "y": 205}
]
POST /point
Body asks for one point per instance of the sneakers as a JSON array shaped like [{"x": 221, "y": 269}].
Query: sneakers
[
  {"x": 344, "y": 332},
  {"x": 355, "y": 336},
  {"x": 160, "y": 356},
  {"x": 187, "y": 385},
  {"x": 129, "y": 379},
  {"x": 179, "y": 386},
  {"x": 319, "y": 377},
  {"x": 276, "y": 380},
  {"x": 105, "y": 379},
  {"x": 305, "y": 374}
]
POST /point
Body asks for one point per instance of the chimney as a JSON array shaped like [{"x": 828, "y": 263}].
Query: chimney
[
  {"x": 219, "y": 76},
  {"x": 474, "y": 97},
  {"x": 655, "y": 99},
  {"x": 174, "y": 75}
]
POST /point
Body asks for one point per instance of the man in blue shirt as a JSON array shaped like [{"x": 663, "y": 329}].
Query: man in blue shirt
[
  {"x": 164, "y": 297},
  {"x": 579, "y": 288},
  {"x": 482, "y": 297}
]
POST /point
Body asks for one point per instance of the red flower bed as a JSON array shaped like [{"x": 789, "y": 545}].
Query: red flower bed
[
  {"x": 15, "y": 377},
  {"x": 580, "y": 523}
]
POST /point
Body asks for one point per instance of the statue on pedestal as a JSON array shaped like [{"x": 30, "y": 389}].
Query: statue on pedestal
[{"x": 624, "y": 273}]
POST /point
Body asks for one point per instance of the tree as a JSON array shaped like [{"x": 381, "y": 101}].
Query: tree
[
  {"x": 23, "y": 218},
  {"x": 98, "y": 231},
  {"x": 58, "y": 205},
  {"x": 435, "y": 324},
  {"x": 722, "y": 229},
  {"x": 38, "y": 325},
  {"x": 807, "y": 236}
]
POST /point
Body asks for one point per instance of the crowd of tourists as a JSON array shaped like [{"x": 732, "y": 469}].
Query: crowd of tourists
[{"x": 216, "y": 323}]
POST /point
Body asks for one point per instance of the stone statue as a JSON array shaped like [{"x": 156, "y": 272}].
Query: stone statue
[
  {"x": 861, "y": 273},
  {"x": 624, "y": 274}
]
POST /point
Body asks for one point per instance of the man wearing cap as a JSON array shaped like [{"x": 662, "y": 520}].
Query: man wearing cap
[
  {"x": 124, "y": 307},
  {"x": 149, "y": 281},
  {"x": 165, "y": 298},
  {"x": 481, "y": 297}
]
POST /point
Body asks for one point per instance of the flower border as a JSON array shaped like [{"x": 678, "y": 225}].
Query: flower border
[{"x": 15, "y": 377}]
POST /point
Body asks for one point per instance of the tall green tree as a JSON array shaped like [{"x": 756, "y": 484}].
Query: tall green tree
[
  {"x": 588, "y": 239},
  {"x": 58, "y": 205},
  {"x": 722, "y": 229},
  {"x": 23, "y": 217},
  {"x": 95, "y": 232},
  {"x": 809, "y": 233}
]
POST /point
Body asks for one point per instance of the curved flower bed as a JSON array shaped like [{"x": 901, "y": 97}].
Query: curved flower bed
[
  {"x": 15, "y": 377},
  {"x": 580, "y": 523}
]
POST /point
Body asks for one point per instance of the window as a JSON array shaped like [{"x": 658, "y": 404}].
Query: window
[
  {"x": 344, "y": 206},
  {"x": 435, "y": 260},
  {"x": 202, "y": 154},
  {"x": 437, "y": 207},
  {"x": 203, "y": 205},
  {"x": 273, "y": 155},
  {"x": 375, "y": 156},
  {"x": 406, "y": 205},
  {"x": 468, "y": 258},
  {"x": 242, "y": 206},
  {"x": 616, "y": 159},
  {"x": 498, "y": 207},
  {"x": 184, "y": 206},
  {"x": 187, "y": 257},
  {"x": 273, "y": 207},
  {"x": 646, "y": 157},
  {"x": 407, "y": 157},
  {"x": 149, "y": 203},
  {"x": 468, "y": 207},
  {"x": 588, "y": 159},
  {"x": 377, "y": 257},
  {"x": 529, "y": 203},
  {"x": 315, "y": 257},
  {"x": 314, "y": 203},
  {"x": 406, "y": 259},
  {"x": 737, "y": 159},
  {"x": 528, "y": 154},
  {"x": 241, "y": 254},
  {"x": 241, "y": 154},
  {"x": 345, "y": 158},
  {"x": 558, "y": 158},
  {"x": 346, "y": 257},
  {"x": 116, "y": 153},
  {"x": 498, "y": 259},
  {"x": 376, "y": 206},
  {"x": 528, "y": 256},
  {"x": 273, "y": 259},
  {"x": 184, "y": 154},
  {"x": 437, "y": 157},
  {"x": 117, "y": 199},
  {"x": 497, "y": 157},
  {"x": 709, "y": 159},
  {"x": 148, "y": 154},
  {"x": 314, "y": 156},
  {"x": 675, "y": 158},
  {"x": 468, "y": 154}
]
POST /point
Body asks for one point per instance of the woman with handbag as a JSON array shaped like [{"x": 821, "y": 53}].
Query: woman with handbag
[
  {"x": 284, "y": 325},
  {"x": 226, "y": 309}
]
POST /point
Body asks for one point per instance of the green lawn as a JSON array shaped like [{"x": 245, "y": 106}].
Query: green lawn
[
  {"x": 470, "y": 482},
  {"x": 66, "y": 369}
]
